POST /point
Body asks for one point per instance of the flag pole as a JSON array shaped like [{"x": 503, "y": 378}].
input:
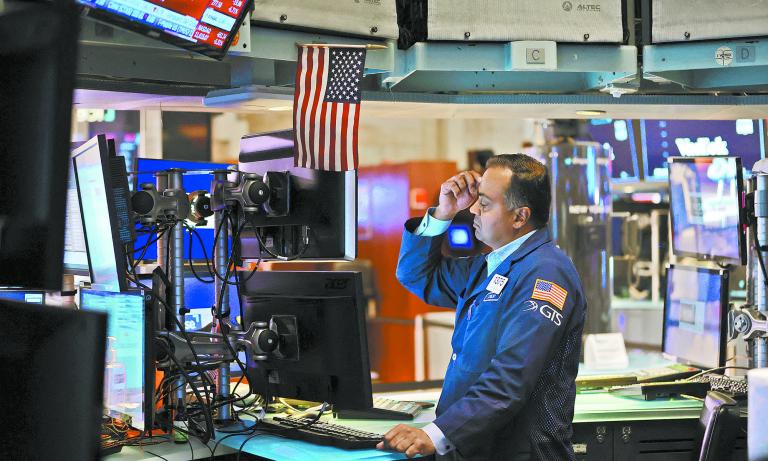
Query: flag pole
[{"x": 329, "y": 45}]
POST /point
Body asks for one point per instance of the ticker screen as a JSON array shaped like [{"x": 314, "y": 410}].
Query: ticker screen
[{"x": 211, "y": 24}]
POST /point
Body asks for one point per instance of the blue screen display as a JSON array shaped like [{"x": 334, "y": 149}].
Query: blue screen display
[
  {"x": 200, "y": 179},
  {"x": 460, "y": 237},
  {"x": 692, "y": 315},
  {"x": 688, "y": 138},
  {"x": 619, "y": 136},
  {"x": 705, "y": 204},
  {"x": 124, "y": 373},
  {"x": 32, "y": 297}
]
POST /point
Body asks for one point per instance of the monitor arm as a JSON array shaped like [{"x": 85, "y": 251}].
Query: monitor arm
[
  {"x": 748, "y": 322},
  {"x": 259, "y": 342}
]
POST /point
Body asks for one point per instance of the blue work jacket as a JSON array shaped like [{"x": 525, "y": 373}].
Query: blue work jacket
[{"x": 509, "y": 389}]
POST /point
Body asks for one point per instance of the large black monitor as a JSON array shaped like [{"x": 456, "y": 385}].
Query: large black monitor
[
  {"x": 332, "y": 361},
  {"x": 695, "y": 312},
  {"x": 325, "y": 201},
  {"x": 51, "y": 382},
  {"x": 38, "y": 52},
  {"x": 619, "y": 136},
  {"x": 129, "y": 374},
  {"x": 208, "y": 27},
  {"x": 706, "y": 197},
  {"x": 101, "y": 226},
  {"x": 662, "y": 139}
]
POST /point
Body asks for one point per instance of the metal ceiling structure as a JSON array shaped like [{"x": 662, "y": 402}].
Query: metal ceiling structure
[{"x": 436, "y": 73}]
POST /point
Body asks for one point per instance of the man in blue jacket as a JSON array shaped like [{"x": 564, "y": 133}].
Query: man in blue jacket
[{"x": 509, "y": 389}]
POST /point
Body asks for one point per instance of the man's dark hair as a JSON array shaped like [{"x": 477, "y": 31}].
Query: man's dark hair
[{"x": 529, "y": 185}]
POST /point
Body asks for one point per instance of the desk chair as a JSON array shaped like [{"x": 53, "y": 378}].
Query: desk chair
[{"x": 718, "y": 425}]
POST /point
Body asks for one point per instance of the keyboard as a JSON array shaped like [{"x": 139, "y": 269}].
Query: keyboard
[
  {"x": 727, "y": 384},
  {"x": 320, "y": 432},
  {"x": 385, "y": 409}
]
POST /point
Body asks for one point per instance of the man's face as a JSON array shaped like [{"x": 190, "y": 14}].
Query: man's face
[{"x": 495, "y": 224}]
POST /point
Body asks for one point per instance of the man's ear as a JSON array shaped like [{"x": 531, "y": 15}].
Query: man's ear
[{"x": 522, "y": 216}]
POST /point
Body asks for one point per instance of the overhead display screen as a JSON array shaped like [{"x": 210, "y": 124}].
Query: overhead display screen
[
  {"x": 691, "y": 138},
  {"x": 204, "y": 26},
  {"x": 619, "y": 136}
]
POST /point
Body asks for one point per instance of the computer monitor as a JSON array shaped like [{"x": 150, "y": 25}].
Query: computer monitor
[
  {"x": 460, "y": 237},
  {"x": 331, "y": 364},
  {"x": 36, "y": 91},
  {"x": 662, "y": 139},
  {"x": 22, "y": 295},
  {"x": 75, "y": 250},
  {"x": 695, "y": 310},
  {"x": 325, "y": 201},
  {"x": 204, "y": 27},
  {"x": 199, "y": 176},
  {"x": 101, "y": 226},
  {"x": 51, "y": 381},
  {"x": 129, "y": 375},
  {"x": 706, "y": 197},
  {"x": 619, "y": 136}
]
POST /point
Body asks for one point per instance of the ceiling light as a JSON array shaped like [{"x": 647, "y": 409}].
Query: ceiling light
[{"x": 590, "y": 112}]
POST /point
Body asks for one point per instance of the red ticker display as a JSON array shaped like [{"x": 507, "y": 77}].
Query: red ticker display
[{"x": 208, "y": 26}]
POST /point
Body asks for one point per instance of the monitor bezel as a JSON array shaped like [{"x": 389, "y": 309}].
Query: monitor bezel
[
  {"x": 742, "y": 258},
  {"x": 117, "y": 20},
  {"x": 120, "y": 263},
  {"x": 150, "y": 326},
  {"x": 724, "y": 278}
]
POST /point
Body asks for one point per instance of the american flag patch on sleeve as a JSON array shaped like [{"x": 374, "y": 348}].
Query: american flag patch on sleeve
[{"x": 544, "y": 290}]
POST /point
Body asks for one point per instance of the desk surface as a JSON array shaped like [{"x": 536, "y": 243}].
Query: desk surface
[{"x": 590, "y": 407}]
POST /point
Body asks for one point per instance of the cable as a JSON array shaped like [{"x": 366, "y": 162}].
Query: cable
[
  {"x": 158, "y": 456},
  {"x": 281, "y": 257},
  {"x": 248, "y": 439},
  {"x": 208, "y": 418},
  {"x": 759, "y": 252},
  {"x": 218, "y": 442},
  {"x": 189, "y": 258},
  {"x": 715, "y": 369},
  {"x": 179, "y": 325}
]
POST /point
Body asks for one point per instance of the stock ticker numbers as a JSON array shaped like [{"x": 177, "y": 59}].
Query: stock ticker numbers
[{"x": 217, "y": 21}]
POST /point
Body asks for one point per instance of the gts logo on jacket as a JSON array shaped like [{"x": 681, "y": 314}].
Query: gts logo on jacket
[{"x": 546, "y": 311}]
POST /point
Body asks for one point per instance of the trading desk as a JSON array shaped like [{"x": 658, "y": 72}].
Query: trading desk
[
  {"x": 601, "y": 422},
  {"x": 606, "y": 427}
]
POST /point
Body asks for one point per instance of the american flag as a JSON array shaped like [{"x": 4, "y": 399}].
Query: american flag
[
  {"x": 326, "y": 107},
  {"x": 544, "y": 290}
]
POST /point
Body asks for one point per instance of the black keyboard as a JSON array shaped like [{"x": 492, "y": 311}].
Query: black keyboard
[
  {"x": 384, "y": 409},
  {"x": 735, "y": 387},
  {"x": 320, "y": 432}
]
